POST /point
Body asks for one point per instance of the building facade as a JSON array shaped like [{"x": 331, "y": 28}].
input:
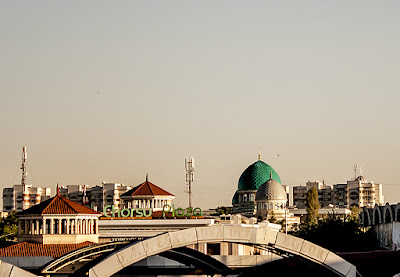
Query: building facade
[
  {"x": 324, "y": 194},
  {"x": 15, "y": 199},
  {"x": 96, "y": 197},
  {"x": 357, "y": 192},
  {"x": 58, "y": 221}
]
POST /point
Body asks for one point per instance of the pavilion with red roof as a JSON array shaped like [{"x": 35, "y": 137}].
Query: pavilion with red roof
[
  {"x": 58, "y": 221},
  {"x": 147, "y": 196}
]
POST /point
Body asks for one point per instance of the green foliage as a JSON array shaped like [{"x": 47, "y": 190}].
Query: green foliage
[
  {"x": 355, "y": 211},
  {"x": 9, "y": 227},
  {"x": 272, "y": 219},
  {"x": 338, "y": 235},
  {"x": 222, "y": 210},
  {"x": 312, "y": 206}
]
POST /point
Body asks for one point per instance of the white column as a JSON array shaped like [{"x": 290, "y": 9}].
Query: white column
[
  {"x": 81, "y": 226},
  {"x": 44, "y": 226},
  {"x": 96, "y": 222},
  {"x": 67, "y": 231},
  {"x": 59, "y": 226},
  {"x": 32, "y": 230},
  {"x": 19, "y": 227},
  {"x": 25, "y": 227},
  {"x": 52, "y": 226},
  {"x": 37, "y": 231}
]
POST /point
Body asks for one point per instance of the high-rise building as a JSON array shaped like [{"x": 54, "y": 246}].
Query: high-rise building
[
  {"x": 324, "y": 194},
  {"x": 96, "y": 197},
  {"x": 357, "y": 192},
  {"x": 362, "y": 193},
  {"x": 15, "y": 199}
]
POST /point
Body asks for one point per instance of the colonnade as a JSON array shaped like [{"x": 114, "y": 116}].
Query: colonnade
[
  {"x": 148, "y": 203},
  {"x": 68, "y": 226}
]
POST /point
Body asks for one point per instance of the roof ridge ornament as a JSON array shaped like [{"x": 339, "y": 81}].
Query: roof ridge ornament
[
  {"x": 58, "y": 190},
  {"x": 259, "y": 154},
  {"x": 147, "y": 177}
]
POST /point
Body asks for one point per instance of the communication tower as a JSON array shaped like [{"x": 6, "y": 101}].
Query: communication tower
[
  {"x": 189, "y": 166},
  {"x": 25, "y": 196}
]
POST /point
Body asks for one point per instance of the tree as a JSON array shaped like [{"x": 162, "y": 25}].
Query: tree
[
  {"x": 8, "y": 227},
  {"x": 338, "y": 235},
  {"x": 312, "y": 207},
  {"x": 355, "y": 211},
  {"x": 272, "y": 219}
]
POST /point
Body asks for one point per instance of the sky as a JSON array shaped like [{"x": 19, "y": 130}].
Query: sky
[{"x": 112, "y": 90}]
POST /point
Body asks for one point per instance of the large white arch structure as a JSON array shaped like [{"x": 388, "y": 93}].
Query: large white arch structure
[{"x": 223, "y": 233}]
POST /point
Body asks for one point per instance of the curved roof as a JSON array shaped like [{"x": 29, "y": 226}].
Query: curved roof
[
  {"x": 255, "y": 175},
  {"x": 271, "y": 190},
  {"x": 235, "y": 198}
]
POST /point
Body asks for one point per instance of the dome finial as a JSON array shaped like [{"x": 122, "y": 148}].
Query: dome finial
[
  {"x": 259, "y": 154},
  {"x": 270, "y": 175},
  {"x": 58, "y": 190},
  {"x": 147, "y": 177}
]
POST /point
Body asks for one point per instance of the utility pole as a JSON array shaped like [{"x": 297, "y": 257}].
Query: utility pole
[{"x": 189, "y": 166}]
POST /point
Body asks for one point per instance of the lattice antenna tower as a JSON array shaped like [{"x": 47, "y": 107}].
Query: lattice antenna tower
[
  {"x": 355, "y": 172},
  {"x": 25, "y": 196},
  {"x": 189, "y": 166},
  {"x": 23, "y": 167}
]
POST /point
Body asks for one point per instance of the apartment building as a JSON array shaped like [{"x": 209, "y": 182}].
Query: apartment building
[
  {"x": 357, "y": 192},
  {"x": 15, "y": 199}
]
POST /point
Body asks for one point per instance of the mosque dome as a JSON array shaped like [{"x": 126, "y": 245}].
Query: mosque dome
[
  {"x": 235, "y": 198},
  {"x": 255, "y": 175},
  {"x": 271, "y": 190}
]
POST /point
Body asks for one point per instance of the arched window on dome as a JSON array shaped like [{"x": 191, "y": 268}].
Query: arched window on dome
[{"x": 245, "y": 197}]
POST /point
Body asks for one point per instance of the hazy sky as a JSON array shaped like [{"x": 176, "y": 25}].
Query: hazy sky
[{"x": 112, "y": 90}]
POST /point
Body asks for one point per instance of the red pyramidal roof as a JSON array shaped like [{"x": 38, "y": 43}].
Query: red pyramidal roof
[
  {"x": 146, "y": 188},
  {"x": 58, "y": 205}
]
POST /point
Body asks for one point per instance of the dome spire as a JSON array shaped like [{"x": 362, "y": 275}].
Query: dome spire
[
  {"x": 259, "y": 154},
  {"x": 147, "y": 177}
]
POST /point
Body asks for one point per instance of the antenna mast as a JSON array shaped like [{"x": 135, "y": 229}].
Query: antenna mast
[
  {"x": 25, "y": 202},
  {"x": 189, "y": 166},
  {"x": 355, "y": 172}
]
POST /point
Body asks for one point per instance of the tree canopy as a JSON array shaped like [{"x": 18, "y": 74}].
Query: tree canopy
[
  {"x": 338, "y": 234},
  {"x": 8, "y": 227},
  {"x": 312, "y": 206}
]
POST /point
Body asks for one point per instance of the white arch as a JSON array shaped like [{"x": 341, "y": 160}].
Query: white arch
[
  {"x": 223, "y": 233},
  {"x": 364, "y": 217},
  {"x": 388, "y": 208},
  {"x": 7, "y": 270},
  {"x": 377, "y": 211},
  {"x": 397, "y": 211}
]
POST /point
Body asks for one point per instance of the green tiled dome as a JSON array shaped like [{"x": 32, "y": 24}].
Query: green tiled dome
[
  {"x": 235, "y": 198},
  {"x": 255, "y": 175}
]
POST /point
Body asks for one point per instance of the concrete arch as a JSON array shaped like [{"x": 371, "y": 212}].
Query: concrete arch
[
  {"x": 388, "y": 213},
  {"x": 7, "y": 270},
  {"x": 365, "y": 218},
  {"x": 377, "y": 217},
  {"x": 397, "y": 212},
  {"x": 253, "y": 235}
]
